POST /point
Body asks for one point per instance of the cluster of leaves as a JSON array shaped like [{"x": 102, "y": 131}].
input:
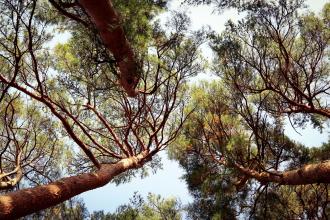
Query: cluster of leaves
[
  {"x": 138, "y": 17},
  {"x": 153, "y": 208},
  {"x": 211, "y": 186},
  {"x": 280, "y": 56},
  {"x": 215, "y": 130},
  {"x": 220, "y": 5}
]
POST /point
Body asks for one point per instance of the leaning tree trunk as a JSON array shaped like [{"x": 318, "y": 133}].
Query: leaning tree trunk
[
  {"x": 108, "y": 23},
  {"x": 308, "y": 174},
  {"x": 27, "y": 201}
]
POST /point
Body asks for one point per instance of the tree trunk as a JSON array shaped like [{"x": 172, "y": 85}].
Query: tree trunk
[
  {"x": 108, "y": 23},
  {"x": 308, "y": 174},
  {"x": 27, "y": 201}
]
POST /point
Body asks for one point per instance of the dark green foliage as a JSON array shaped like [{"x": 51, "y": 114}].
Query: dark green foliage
[
  {"x": 272, "y": 64},
  {"x": 154, "y": 208},
  {"x": 218, "y": 189},
  {"x": 241, "y": 118}
]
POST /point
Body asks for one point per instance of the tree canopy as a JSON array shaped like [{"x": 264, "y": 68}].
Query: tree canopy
[
  {"x": 99, "y": 107},
  {"x": 273, "y": 69}
]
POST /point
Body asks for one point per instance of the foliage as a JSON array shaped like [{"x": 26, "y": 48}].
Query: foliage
[
  {"x": 155, "y": 208},
  {"x": 65, "y": 112},
  {"x": 271, "y": 64},
  {"x": 24, "y": 132},
  {"x": 219, "y": 189},
  {"x": 280, "y": 56},
  {"x": 78, "y": 118}
]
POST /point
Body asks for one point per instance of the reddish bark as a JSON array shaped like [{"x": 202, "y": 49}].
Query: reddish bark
[
  {"x": 27, "y": 201},
  {"x": 108, "y": 23},
  {"x": 309, "y": 174}
]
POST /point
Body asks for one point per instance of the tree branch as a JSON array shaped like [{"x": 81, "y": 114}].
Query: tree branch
[
  {"x": 108, "y": 23},
  {"x": 23, "y": 202},
  {"x": 312, "y": 173}
]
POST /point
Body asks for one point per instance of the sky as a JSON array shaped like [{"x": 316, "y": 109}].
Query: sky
[{"x": 167, "y": 182}]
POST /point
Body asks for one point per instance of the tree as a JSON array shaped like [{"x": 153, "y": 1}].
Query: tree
[
  {"x": 115, "y": 96},
  {"x": 107, "y": 135},
  {"x": 283, "y": 54},
  {"x": 107, "y": 22},
  {"x": 278, "y": 60},
  {"x": 272, "y": 64},
  {"x": 155, "y": 208},
  {"x": 220, "y": 189}
]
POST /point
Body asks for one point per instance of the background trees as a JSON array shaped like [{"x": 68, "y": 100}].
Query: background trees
[{"x": 154, "y": 207}]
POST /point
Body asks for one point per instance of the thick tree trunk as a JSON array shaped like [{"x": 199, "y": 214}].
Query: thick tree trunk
[
  {"x": 27, "y": 201},
  {"x": 308, "y": 174},
  {"x": 108, "y": 23}
]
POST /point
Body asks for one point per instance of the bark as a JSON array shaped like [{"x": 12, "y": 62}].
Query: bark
[
  {"x": 7, "y": 182},
  {"x": 308, "y": 174},
  {"x": 108, "y": 23},
  {"x": 27, "y": 201}
]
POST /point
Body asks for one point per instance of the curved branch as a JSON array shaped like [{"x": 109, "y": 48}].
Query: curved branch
[
  {"x": 308, "y": 174},
  {"x": 61, "y": 8}
]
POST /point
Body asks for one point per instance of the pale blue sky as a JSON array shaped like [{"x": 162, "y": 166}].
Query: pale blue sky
[{"x": 167, "y": 181}]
